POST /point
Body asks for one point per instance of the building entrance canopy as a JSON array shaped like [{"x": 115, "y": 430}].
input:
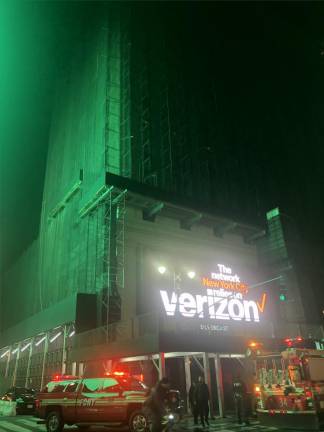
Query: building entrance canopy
[{"x": 152, "y": 333}]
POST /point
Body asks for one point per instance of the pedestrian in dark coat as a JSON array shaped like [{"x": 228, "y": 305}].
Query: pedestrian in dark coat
[
  {"x": 193, "y": 402},
  {"x": 202, "y": 400}
]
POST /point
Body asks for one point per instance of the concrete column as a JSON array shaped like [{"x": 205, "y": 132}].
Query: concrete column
[
  {"x": 64, "y": 350},
  {"x": 44, "y": 360},
  {"x": 161, "y": 365},
  {"x": 208, "y": 379},
  {"x": 220, "y": 387},
  {"x": 29, "y": 362},
  {"x": 81, "y": 369},
  {"x": 73, "y": 372},
  {"x": 14, "y": 378},
  {"x": 188, "y": 378}
]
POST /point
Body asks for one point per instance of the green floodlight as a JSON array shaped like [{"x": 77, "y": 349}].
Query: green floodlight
[{"x": 273, "y": 213}]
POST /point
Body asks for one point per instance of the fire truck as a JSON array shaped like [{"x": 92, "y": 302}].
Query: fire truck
[{"x": 289, "y": 387}]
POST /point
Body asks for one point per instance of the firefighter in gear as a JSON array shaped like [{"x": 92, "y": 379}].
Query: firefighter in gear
[
  {"x": 156, "y": 404},
  {"x": 240, "y": 398}
]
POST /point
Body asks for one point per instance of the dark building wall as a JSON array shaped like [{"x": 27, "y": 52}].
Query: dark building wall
[{"x": 138, "y": 101}]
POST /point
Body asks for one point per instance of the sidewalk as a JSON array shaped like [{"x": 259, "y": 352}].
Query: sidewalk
[{"x": 219, "y": 424}]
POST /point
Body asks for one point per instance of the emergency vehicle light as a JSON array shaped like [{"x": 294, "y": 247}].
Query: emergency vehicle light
[
  {"x": 290, "y": 341},
  {"x": 59, "y": 377},
  {"x": 257, "y": 389}
]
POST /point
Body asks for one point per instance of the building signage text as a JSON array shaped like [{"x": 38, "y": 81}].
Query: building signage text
[{"x": 223, "y": 300}]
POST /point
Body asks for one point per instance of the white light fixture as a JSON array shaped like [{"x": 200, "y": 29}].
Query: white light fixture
[
  {"x": 25, "y": 347},
  {"x": 72, "y": 333},
  {"x": 191, "y": 274},
  {"x": 4, "y": 354},
  {"x": 55, "y": 337},
  {"x": 162, "y": 269},
  {"x": 40, "y": 341},
  {"x": 15, "y": 350}
]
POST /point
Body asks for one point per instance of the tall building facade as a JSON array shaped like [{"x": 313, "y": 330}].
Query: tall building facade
[{"x": 132, "y": 143}]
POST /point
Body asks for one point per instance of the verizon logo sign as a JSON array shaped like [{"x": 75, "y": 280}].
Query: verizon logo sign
[{"x": 226, "y": 302}]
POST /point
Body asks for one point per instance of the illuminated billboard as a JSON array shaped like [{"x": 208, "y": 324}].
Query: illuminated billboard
[{"x": 221, "y": 296}]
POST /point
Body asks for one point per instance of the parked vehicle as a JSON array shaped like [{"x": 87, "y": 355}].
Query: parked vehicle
[
  {"x": 25, "y": 399},
  {"x": 110, "y": 400}
]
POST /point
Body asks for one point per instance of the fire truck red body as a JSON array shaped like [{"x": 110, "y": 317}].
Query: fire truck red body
[{"x": 289, "y": 388}]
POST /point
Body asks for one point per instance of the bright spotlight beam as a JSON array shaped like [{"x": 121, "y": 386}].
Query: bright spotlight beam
[
  {"x": 191, "y": 274},
  {"x": 161, "y": 269}
]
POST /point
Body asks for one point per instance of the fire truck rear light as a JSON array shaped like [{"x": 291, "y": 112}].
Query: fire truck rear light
[
  {"x": 257, "y": 389},
  {"x": 299, "y": 339}
]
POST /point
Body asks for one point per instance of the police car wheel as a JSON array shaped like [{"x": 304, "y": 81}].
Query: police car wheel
[
  {"x": 138, "y": 422},
  {"x": 54, "y": 422}
]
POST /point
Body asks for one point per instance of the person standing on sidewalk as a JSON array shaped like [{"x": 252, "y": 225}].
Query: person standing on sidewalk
[
  {"x": 193, "y": 402},
  {"x": 202, "y": 401},
  {"x": 240, "y": 398}
]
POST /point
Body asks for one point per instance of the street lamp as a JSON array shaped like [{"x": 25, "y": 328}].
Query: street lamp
[
  {"x": 162, "y": 269},
  {"x": 191, "y": 274},
  {"x": 177, "y": 275}
]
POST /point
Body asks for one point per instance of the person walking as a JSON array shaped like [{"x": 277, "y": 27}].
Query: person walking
[
  {"x": 193, "y": 402},
  {"x": 240, "y": 397},
  {"x": 156, "y": 404},
  {"x": 202, "y": 401}
]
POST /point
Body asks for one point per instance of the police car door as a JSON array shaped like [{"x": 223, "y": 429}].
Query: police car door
[
  {"x": 87, "y": 404},
  {"x": 112, "y": 404}
]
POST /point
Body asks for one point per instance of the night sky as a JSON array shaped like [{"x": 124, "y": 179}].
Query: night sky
[{"x": 267, "y": 60}]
